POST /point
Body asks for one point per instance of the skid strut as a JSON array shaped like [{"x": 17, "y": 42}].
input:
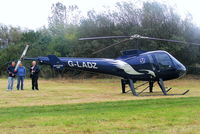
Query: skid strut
[
  {"x": 131, "y": 85},
  {"x": 160, "y": 82},
  {"x": 129, "y": 82},
  {"x": 151, "y": 86},
  {"x": 162, "y": 87},
  {"x": 165, "y": 91}
]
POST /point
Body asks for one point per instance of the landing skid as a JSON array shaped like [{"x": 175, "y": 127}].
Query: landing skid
[{"x": 160, "y": 82}]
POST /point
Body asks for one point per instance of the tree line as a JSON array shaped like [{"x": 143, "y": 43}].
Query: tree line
[{"x": 66, "y": 25}]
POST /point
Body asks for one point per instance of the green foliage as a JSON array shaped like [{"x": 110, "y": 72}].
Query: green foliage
[{"x": 66, "y": 25}]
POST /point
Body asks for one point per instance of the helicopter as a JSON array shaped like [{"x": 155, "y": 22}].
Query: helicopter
[{"x": 134, "y": 65}]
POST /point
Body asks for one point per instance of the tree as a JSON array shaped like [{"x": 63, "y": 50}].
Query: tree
[{"x": 58, "y": 19}]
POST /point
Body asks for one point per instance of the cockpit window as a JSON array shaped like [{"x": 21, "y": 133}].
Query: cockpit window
[{"x": 163, "y": 60}]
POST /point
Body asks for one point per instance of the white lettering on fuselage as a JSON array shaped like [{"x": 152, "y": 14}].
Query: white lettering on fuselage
[
  {"x": 58, "y": 66},
  {"x": 91, "y": 65}
]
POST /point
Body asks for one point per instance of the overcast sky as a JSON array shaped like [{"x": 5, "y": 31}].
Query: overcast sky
[{"x": 33, "y": 14}]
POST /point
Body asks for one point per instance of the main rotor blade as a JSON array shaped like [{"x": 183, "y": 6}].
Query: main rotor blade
[
  {"x": 105, "y": 37},
  {"x": 111, "y": 46},
  {"x": 22, "y": 56},
  {"x": 174, "y": 41},
  {"x": 136, "y": 36}
]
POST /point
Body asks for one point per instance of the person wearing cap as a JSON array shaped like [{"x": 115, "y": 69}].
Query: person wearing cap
[{"x": 21, "y": 73}]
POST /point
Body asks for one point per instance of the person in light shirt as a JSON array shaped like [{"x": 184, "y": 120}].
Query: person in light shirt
[
  {"x": 34, "y": 74},
  {"x": 21, "y": 73}
]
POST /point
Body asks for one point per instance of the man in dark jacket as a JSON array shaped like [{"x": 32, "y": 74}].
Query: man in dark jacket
[
  {"x": 34, "y": 74},
  {"x": 11, "y": 75}
]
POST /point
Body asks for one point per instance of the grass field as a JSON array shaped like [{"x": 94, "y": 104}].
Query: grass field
[
  {"x": 166, "y": 116},
  {"x": 97, "y": 106}
]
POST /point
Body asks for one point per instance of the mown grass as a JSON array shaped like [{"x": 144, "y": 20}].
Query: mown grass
[
  {"x": 174, "y": 115},
  {"x": 61, "y": 91},
  {"x": 100, "y": 108}
]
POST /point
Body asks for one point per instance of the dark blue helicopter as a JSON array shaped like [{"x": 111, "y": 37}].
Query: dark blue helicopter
[{"x": 133, "y": 65}]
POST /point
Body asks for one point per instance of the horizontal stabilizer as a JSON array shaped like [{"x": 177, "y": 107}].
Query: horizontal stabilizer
[{"x": 32, "y": 59}]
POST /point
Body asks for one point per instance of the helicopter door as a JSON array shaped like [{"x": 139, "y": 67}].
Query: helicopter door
[
  {"x": 164, "y": 64},
  {"x": 151, "y": 61}
]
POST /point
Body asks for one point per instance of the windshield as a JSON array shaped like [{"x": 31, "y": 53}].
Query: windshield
[{"x": 164, "y": 61}]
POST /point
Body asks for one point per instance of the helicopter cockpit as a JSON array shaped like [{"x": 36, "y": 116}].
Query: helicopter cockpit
[{"x": 166, "y": 65}]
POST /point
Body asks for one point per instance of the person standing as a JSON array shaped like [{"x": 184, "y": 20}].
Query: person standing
[
  {"x": 34, "y": 74},
  {"x": 21, "y": 73},
  {"x": 11, "y": 75}
]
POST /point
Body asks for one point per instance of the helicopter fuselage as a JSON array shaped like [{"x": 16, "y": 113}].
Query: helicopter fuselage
[{"x": 133, "y": 64}]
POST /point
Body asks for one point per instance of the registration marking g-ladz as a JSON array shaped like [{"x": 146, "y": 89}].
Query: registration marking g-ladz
[{"x": 91, "y": 65}]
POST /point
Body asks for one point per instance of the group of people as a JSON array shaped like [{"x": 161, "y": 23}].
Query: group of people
[{"x": 20, "y": 73}]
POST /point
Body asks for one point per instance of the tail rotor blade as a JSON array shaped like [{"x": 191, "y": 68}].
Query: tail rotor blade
[
  {"x": 24, "y": 52},
  {"x": 22, "y": 56}
]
